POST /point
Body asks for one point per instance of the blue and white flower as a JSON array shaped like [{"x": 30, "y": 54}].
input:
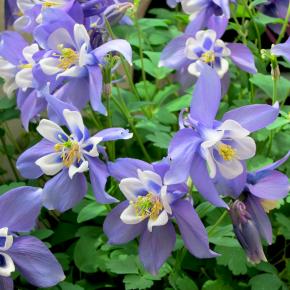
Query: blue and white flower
[
  {"x": 205, "y": 48},
  {"x": 6, "y": 264}
]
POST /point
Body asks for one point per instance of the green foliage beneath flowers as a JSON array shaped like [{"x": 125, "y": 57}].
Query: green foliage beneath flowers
[{"x": 76, "y": 237}]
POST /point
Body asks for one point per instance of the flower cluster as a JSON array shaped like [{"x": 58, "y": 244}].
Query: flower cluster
[{"x": 67, "y": 68}]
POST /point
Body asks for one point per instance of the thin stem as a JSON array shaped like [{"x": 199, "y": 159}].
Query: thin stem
[
  {"x": 9, "y": 158},
  {"x": 11, "y": 137},
  {"x": 221, "y": 218},
  {"x": 255, "y": 24},
  {"x": 95, "y": 119},
  {"x": 284, "y": 27}
]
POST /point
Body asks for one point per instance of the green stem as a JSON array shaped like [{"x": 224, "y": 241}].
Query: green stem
[
  {"x": 284, "y": 27},
  {"x": 245, "y": 3},
  {"x": 11, "y": 137},
  {"x": 179, "y": 258},
  {"x": 221, "y": 218},
  {"x": 141, "y": 55},
  {"x": 95, "y": 118},
  {"x": 9, "y": 158},
  {"x": 123, "y": 108}
]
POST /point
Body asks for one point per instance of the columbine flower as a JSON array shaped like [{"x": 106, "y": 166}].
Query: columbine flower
[
  {"x": 172, "y": 3},
  {"x": 19, "y": 210},
  {"x": 16, "y": 62},
  {"x": 70, "y": 56},
  {"x": 277, "y": 9},
  {"x": 148, "y": 212},
  {"x": 204, "y": 146},
  {"x": 207, "y": 14},
  {"x": 191, "y": 51},
  {"x": 246, "y": 232},
  {"x": 257, "y": 193},
  {"x": 30, "y": 12},
  {"x": 282, "y": 49},
  {"x": 69, "y": 156}
]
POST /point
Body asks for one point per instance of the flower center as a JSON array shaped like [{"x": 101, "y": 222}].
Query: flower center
[
  {"x": 70, "y": 151},
  {"x": 48, "y": 4},
  {"x": 227, "y": 152},
  {"x": 148, "y": 206},
  {"x": 67, "y": 58},
  {"x": 25, "y": 65},
  {"x": 208, "y": 56},
  {"x": 268, "y": 204}
]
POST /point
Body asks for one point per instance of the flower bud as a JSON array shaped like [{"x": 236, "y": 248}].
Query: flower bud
[{"x": 247, "y": 232}]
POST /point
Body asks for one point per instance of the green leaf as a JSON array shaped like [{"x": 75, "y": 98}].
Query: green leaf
[
  {"x": 258, "y": 162},
  {"x": 136, "y": 282},
  {"x": 265, "y": 281},
  {"x": 265, "y": 83},
  {"x": 70, "y": 286},
  {"x": 6, "y": 103},
  {"x": 6, "y": 187},
  {"x": 146, "y": 23},
  {"x": 179, "y": 103},
  {"x": 216, "y": 285},
  {"x": 123, "y": 264},
  {"x": 284, "y": 225},
  {"x": 232, "y": 257},
  {"x": 42, "y": 233},
  {"x": 265, "y": 19},
  {"x": 91, "y": 211},
  {"x": 159, "y": 139},
  {"x": 182, "y": 282},
  {"x": 257, "y": 2}
]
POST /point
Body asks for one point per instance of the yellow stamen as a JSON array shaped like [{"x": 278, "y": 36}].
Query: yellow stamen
[
  {"x": 48, "y": 4},
  {"x": 208, "y": 57},
  {"x": 26, "y": 65},
  {"x": 71, "y": 154},
  {"x": 268, "y": 204},
  {"x": 148, "y": 206},
  {"x": 67, "y": 58},
  {"x": 227, "y": 152}
]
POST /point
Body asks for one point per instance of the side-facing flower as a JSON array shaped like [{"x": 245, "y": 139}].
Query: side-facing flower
[
  {"x": 70, "y": 56},
  {"x": 68, "y": 157},
  {"x": 207, "y": 14},
  {"x": 204, "y": 146},
  {"x": 282, "y": 49},
  {"x": 20, "y": 208},
  {"x": 257, "y": 193},
  {"x": 172, "y": 3},
  {"x": 148, "y": 211},
  {"x": 191, "y": 51}
]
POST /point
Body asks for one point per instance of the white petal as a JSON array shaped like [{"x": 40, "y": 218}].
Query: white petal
[
  {"x": 29, "y": 51},
  {"x": 208, "y": 156},
  {"x": 233, "y": 129},
  {"x": 129, "y": 216},
  {"x": 85, "y": 58},
  {"x": 9, "y": 239},
  {"x": 245, "y": 148},
  {"x": 225, "y": 50},
  {"x": 190, "y": 46},
  {"x": 75, "y": 123},
  {"x": 49, "y": 65},
  {"x": 24, "y": 78},
  {"x": 7, "y": 69},
  {"x": 74, "y": 71},
  {"x": 160, "y": 221},
  {"x": 25, "y": 5},
  {"x": 8, "y": 268},
  {"x": 223, "y": 68},
  {"x": 81, "y": 36},
  {"x": 21, "y": 22},
  {"x": 94, "y": 142},
  {"x": 51, "y": 131},
  {"x": 164, "y": 199},
  {"x": 193, "y": 7},
  {"x": 131, "y": 188},
  {"x": 211, "y": 34},
  {"x": 195, "y": 68},
  {"x": 82, "y": 168},
  {"x": 50, "y": 164},
  {"x": 230, "y": 169},
  {"x": 150, "y": 180},
  {"x": 9, "y": 86},
  {"x": 60, "y": 37}
]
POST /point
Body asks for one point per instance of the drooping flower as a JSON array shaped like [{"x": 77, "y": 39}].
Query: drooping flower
[
  {"x": 150, "y": 207},
  {"x": 204, "y": 146},
  {"x": 72, "y": 59},
  {"x": 257, "y": 193},
  {"x": 20, "y": 208},
  {"x": 172, "y": 3},
  {"x": 207, "y": 14},
  {"x": 282, "y": 49},
  {"x": 68, "y": 157},
  {"x": 276, "y": 9}
]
